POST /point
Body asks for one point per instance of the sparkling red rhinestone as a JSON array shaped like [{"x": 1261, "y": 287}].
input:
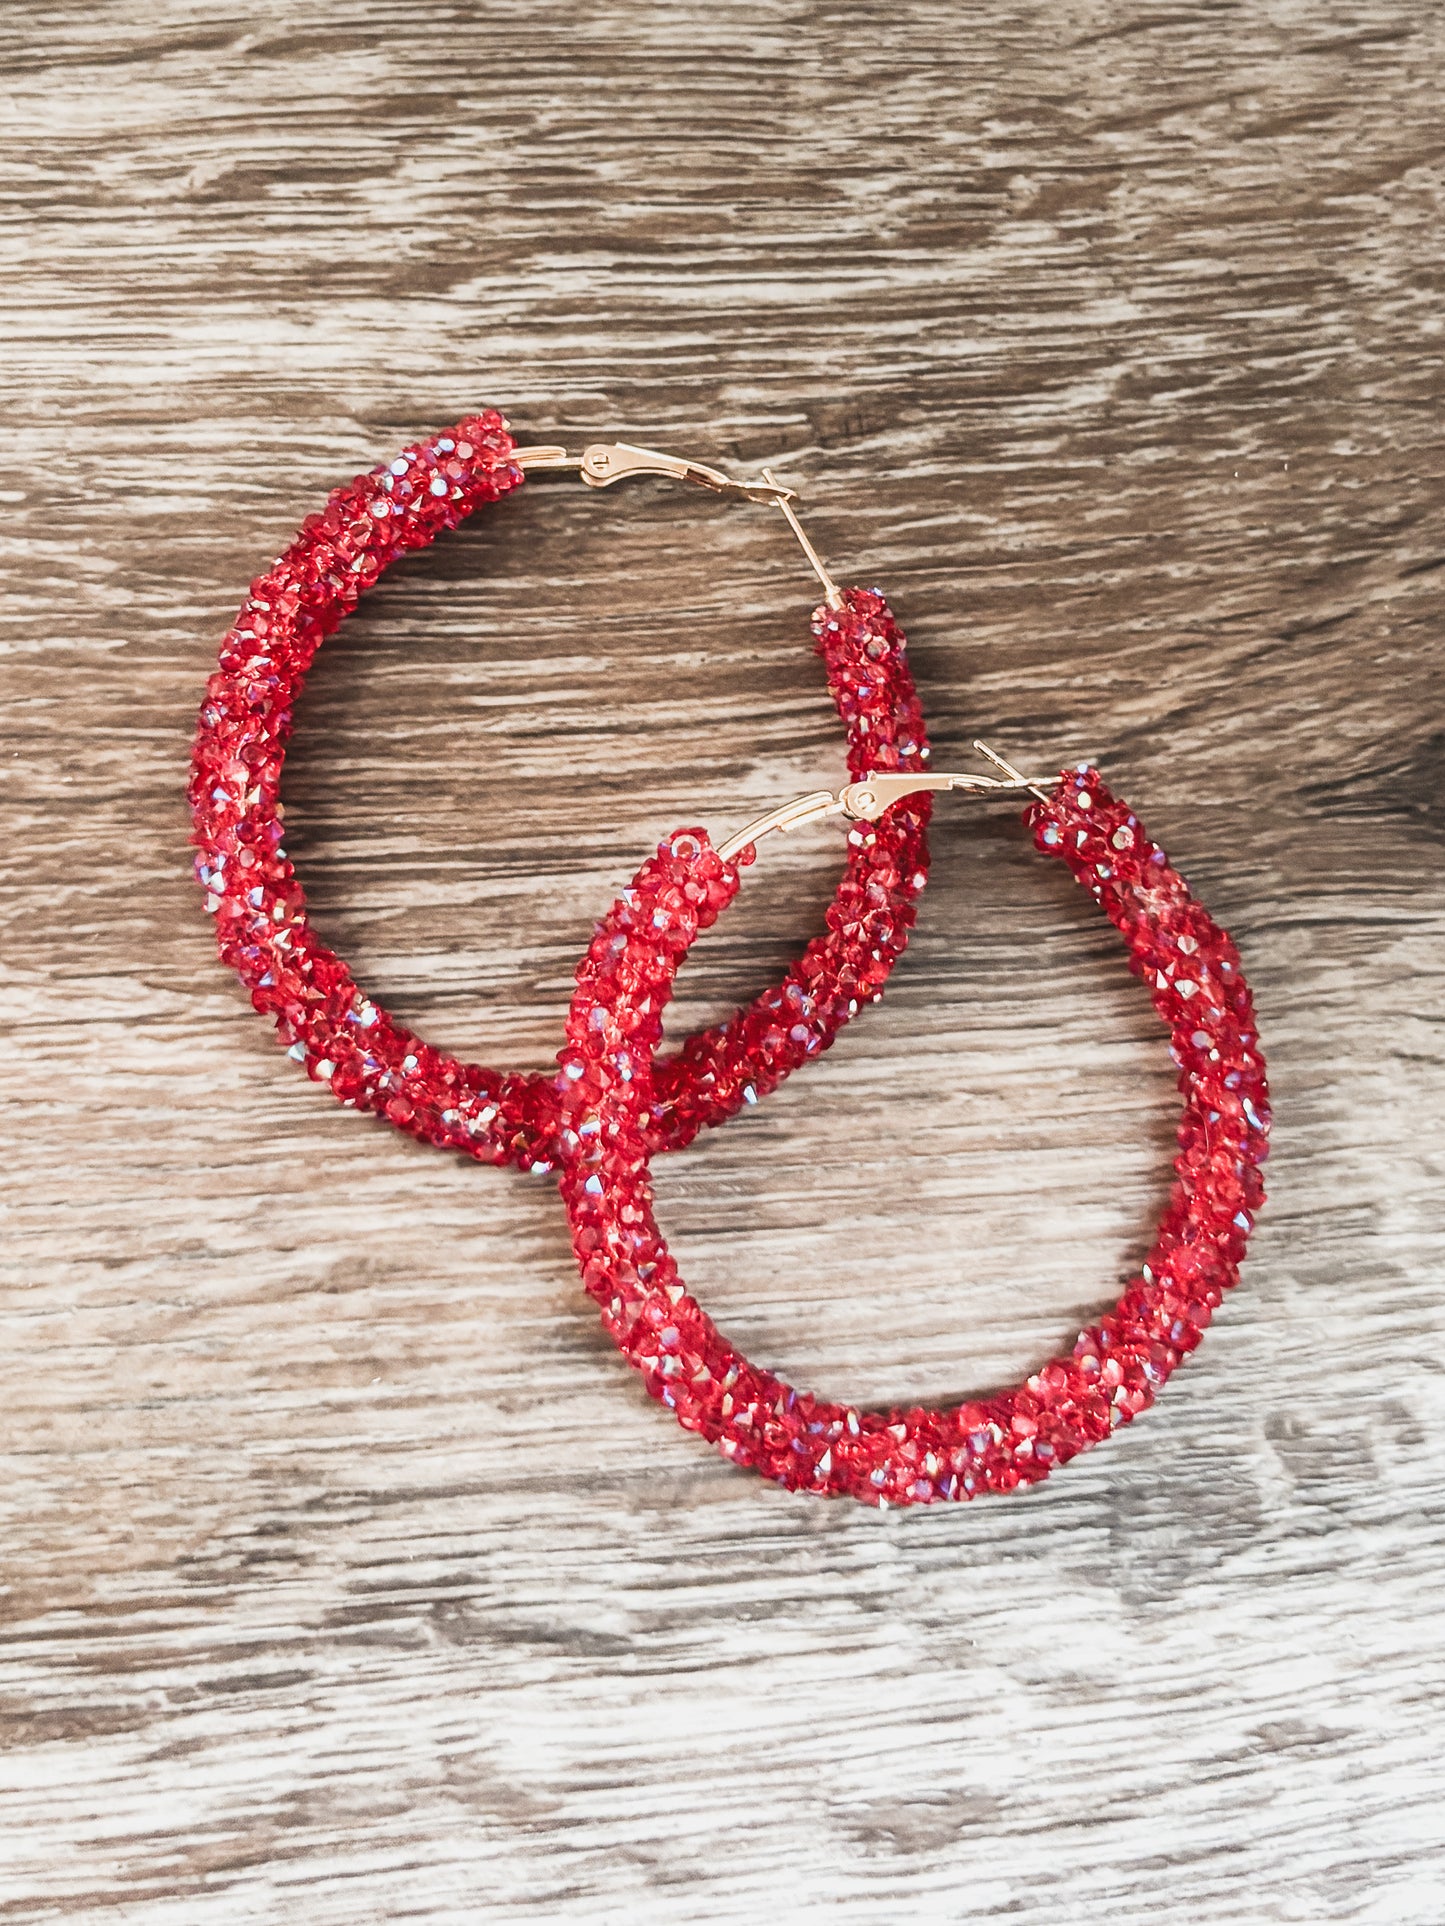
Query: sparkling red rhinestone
[
  {"x": 346, "y": 1039},
  {"x": 915, "y": 1455}
]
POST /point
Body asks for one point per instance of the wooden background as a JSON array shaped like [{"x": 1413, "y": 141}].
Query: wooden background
[{"x": 348, "y": 1576}]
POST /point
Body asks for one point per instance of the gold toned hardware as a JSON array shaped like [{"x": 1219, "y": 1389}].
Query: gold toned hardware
[
  {"x": 550, "y": 456},
  {"x": 867, "y": 799},
  {"x": 602, "y": 463},
  {"x": 832, "y": 594},
  {"x": 1022, "y": 782},
  {"x": 807, "y": 809},
  {"x": 605, "y": 462}
]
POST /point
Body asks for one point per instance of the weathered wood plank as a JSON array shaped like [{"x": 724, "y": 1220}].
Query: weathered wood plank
[{"x": 347, "y": 1576}]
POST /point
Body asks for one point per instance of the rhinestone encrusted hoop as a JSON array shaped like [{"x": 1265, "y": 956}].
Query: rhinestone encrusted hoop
[
  {"x": 915, "y": 1455},
  {"x": 345, "y": 1038}
]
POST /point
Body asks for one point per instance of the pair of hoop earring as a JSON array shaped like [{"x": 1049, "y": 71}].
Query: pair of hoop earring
[{"x": 615, "y": 1102}]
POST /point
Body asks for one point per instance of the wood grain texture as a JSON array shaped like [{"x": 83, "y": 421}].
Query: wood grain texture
[{"x": 348, "y": 1577}]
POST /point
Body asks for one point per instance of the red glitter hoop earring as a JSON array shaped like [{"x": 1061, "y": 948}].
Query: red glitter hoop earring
[
  {"x": 916, "y": 1456},
  {"x": 345, "y": 1038}
]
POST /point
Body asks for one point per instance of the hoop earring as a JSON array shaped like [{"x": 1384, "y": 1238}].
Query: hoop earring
[
  {"x": 346, "y": 1039},
  {"x": 916, "y": 1456}
]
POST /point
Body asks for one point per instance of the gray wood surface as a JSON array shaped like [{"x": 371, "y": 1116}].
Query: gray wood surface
[{"x": 348, "y": 1576}]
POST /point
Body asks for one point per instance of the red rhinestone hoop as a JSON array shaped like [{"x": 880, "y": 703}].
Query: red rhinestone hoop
[
  {"x": 914, "y": 1455},
  {"x": 345, "y": 1038}
]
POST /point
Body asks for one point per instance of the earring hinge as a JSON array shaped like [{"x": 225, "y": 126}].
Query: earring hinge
[
  {"x": 602, "y": 463},
  {"x": 867, "y": 800}
]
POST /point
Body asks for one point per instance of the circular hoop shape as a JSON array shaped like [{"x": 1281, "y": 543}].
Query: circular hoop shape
[
  {"x": 345, "y": 1038},
  {"x": 914, "y": 1455}
]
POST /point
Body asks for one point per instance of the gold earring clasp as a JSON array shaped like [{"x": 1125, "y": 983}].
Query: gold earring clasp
[
  {"x": 867, "y": 799},
  {"x": 602, "y": 463}
]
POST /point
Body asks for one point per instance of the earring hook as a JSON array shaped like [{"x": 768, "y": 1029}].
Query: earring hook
[
  {"x": 602, "y": 463},
  {"x": 1020, "y": 782},
  {"x": 867, "y": 799},
  {"x": 832, "y": 594}
]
